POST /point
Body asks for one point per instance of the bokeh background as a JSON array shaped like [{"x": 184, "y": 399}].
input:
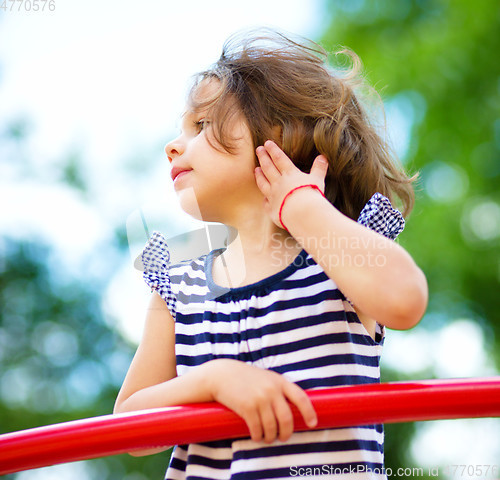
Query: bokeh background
[{"x": 90, "y": 92}]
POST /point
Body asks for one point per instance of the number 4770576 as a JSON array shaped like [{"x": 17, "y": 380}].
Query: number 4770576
[{"x": 28, "y": 5}]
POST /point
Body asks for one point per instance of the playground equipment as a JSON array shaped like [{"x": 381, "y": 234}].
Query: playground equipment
[{"x": 391, "y": 402}]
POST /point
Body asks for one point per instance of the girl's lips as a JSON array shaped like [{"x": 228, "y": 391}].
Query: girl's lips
[
  {"x": 180, "y": 175},
  {"x": 176, "y": 170}
]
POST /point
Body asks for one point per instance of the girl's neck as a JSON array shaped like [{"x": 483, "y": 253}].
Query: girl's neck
[
  {"x": 250, "y": 258},
  {"x": 251, "y": 243}
]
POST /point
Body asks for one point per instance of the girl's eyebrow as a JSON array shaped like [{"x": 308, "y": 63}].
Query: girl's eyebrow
[
  {"x": 193, "y": 113},
  {"x": 187, "y": 115},
  {"x": 185, "y": 118},
  {"x": 190, "y": 114}
]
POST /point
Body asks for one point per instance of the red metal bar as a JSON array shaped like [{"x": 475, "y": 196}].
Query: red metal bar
[{"x": 336, "y": 407}]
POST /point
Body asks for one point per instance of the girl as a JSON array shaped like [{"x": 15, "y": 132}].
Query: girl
[{"x": 278, "y": 148}]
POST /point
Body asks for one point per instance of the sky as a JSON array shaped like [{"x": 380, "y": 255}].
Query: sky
[{"x": 108, "y": 79}]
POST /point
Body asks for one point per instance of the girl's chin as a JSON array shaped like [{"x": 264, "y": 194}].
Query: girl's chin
[{"x": 189, "y": 203}]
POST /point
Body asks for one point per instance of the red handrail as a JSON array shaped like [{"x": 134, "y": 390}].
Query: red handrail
[{"x": 336, "y": 407}]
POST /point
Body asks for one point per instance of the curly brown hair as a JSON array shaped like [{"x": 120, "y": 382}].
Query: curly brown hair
[{"x": 288, "y": 93}]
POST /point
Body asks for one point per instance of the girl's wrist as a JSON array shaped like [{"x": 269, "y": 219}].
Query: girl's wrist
[
  {"x": 294, "y": 199},
  {"x": 207, "y": 378},
  {"x": 211, "y": 373}
]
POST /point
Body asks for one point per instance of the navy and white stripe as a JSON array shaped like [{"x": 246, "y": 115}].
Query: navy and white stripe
[{"x": 295, "y": 322}]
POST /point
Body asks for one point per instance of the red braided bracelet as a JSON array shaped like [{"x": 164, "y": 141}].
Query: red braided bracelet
[{"x": 289, "y": 193}]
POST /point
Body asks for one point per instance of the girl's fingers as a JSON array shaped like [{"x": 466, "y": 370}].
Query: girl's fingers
[
  {"x": 262, "y": 182},
  {"x": 267, "y": 164},
  {"x": 269, "y": 422},
  {"x": 278, "y": 157},
  {"x": 285, "y": 418},
  {"x": 299, "y": 398},
  {"x": 319, "y": 167},
  {"x": 254, "y": 424}
]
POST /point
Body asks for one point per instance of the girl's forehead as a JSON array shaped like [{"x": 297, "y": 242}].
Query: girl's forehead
[
  {"x": 205, "y": 94},
  {"x": 201, "y": 97},
  {"x": 207, "y": 88}
]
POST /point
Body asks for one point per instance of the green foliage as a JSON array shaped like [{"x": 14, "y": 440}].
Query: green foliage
[
  {"x": 59, "y": 360},
  {"x": 435, "y": 61}
]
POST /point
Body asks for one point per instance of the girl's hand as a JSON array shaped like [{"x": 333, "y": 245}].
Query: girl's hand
[
  {"x": 277, "y": 175},
  {"x": 260, "y": 397}
]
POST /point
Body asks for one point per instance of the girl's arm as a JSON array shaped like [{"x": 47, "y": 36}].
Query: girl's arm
[
  {"x": 377, "y": 275},
  {"x": 153, "y": 363},
  {"x": 259, "y": 396}
]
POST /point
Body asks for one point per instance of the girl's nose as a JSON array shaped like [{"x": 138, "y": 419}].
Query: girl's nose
[{"x": 174, "y": 149}]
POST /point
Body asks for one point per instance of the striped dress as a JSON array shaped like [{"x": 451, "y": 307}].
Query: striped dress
[{"x": 296, "y": 323}]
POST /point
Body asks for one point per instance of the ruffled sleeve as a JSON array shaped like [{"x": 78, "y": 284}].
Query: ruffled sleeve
[
  {"x": 379, "y": 215},
  {"x": 154, "y": 263}
]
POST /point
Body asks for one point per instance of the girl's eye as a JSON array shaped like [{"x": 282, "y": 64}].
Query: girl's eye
[{"x": 201, "y": 124}]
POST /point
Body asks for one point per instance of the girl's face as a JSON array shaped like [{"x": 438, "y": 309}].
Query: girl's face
[{"x": 212, "y": 184}]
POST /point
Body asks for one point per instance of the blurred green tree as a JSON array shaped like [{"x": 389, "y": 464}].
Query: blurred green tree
[
  {"x": 434, "y": 62},
  {"x": 60, "y": 360}
]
